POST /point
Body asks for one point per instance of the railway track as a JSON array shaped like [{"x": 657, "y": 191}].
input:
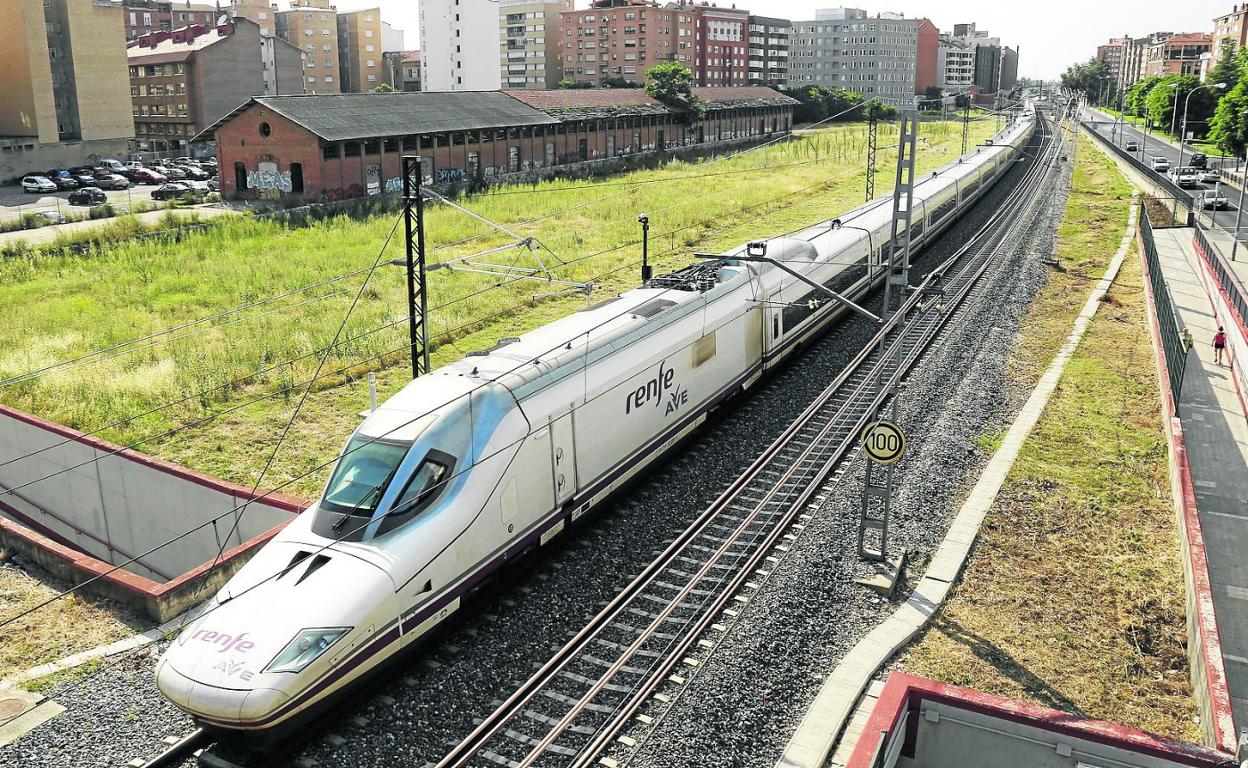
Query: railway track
[{"x": 572, "y": 709}]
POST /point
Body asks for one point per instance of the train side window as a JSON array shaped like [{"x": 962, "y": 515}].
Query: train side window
[
  {"x": 426, "y": 484},
  {"x": 775, "y": 326},
  {"x": 704, "y": 349}
]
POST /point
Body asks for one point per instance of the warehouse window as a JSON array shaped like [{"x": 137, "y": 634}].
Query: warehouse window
[
  {"x": 351, "y": 149},
  {"x": 330, "y": 151},
  {"x": 372, "y": 147}
]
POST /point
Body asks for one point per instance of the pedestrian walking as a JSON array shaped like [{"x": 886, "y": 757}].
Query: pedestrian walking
[
  {"x": 1219, "y": 345},
  {"x": 1188, "y": 341}
]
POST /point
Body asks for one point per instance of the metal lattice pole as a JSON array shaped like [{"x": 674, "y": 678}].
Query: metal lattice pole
[
  {"x": 877, "y": 491},
  {"x": 966, "y": 126},
  {"x": 414, "y": 241},
  {"x": 872, "y": 136}
]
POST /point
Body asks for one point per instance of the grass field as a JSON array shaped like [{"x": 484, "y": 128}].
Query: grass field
[
  {"x": 1074, "y": 595},
  {"x": 61, "y": 307}
]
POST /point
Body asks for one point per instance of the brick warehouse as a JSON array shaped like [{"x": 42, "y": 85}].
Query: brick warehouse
[{"x": 334, "y": 146}]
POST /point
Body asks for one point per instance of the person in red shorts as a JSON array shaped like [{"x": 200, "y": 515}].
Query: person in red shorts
[{"x": 1219, "y": 345}]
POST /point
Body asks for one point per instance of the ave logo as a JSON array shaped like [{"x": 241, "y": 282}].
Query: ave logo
[
  {"x": 661, "y": 390},
  {"x": 233, "y": 668}
]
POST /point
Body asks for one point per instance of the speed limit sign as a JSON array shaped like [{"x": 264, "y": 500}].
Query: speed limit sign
[{"x": 883, "y": 441}]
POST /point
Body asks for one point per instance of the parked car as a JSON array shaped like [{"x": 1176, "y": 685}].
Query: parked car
[
  {"x": 1214, "y": 198},
  {"x": 106, "y": 180},
  {"x": 112, "y": 166},
  {"x": 214, "y": 184},
  {"x": 38, "y": 184},
  {"x": 134, "y": 165},
  {"x": 84, "y": 179},
  {"x": 1160, "y": 164},
  {"x": 1186, "y": 177},
  {"x": 62, "y": 179},
  {"x": 147, "y": 176},
  {"x": 1199, "y": 160},
  {"x": 1132, "y": 145},
  {"x": 1209, "y": 176},
  {"x": 170, "y": 172},
  {"x": 87, "y": 196},
  {"x": 194, "y": 172},
  {"x": 179, "y": 190}
]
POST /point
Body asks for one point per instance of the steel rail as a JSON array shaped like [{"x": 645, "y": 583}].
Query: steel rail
[
  {"x": 856, "y": 404},
  {"x": 177, "y": 752}
]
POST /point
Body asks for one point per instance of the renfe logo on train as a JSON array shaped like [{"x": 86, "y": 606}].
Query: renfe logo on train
[
  {"x": 656, "y": 390},
  {"x": 227, "y": 642}
]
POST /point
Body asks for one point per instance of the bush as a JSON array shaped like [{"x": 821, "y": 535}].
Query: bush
[{"x": 102, "y": 211}]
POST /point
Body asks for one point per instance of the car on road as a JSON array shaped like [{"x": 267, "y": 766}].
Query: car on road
[
  {"x": 1210, "y": 176},
  {"x": 38, "y": 184},
  {"x": 1199, "y": 160},
  {"x": 1186, "y": 177},
  {"x": 1160, "y": 164},
  {"x": 1132, "y": 145},
  {"x": 147, "y": 176},
  {"x": 87, "y": 196},
  {"x": 1214, "y": 198},
  {"x": 106, "y": 180}
]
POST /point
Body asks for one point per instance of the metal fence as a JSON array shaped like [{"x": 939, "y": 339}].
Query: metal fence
[
  {"x": 1226, "y": 277},
  {"x": 1175, "y": 351}
]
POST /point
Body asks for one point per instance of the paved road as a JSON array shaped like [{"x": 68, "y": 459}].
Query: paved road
[
  {"x": 48, "y": 234},
  {"x": 1151, "y": 146}
]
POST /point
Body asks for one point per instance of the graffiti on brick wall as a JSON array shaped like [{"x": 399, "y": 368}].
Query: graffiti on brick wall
[
  {"x": 394, "y": 185},
  {"x": 447, "y": 175},
  {"x": 343, "y": 193},
  {"x": 269, "y": 180}
]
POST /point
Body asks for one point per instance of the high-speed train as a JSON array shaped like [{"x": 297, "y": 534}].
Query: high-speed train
[{"x": 475, "y": 463}]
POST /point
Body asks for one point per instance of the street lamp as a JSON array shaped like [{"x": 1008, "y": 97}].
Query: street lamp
[
  {"x": 1239, "y": 210},
  {"x": 1174, "y": 111},
  {"x": 1186, "y": 102}
]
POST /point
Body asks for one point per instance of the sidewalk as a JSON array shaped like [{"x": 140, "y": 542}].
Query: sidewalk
[
  {"x": 1216, "y": 434},
  {"x": 45, "y": 235}
]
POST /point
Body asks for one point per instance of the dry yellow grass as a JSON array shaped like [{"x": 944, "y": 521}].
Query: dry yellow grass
[
  {"x": 1074, "y": 595},
  {"x": 68, "y": 626}
]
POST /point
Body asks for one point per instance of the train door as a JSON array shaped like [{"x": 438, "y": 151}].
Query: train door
[{"x": 563, "y": 458}]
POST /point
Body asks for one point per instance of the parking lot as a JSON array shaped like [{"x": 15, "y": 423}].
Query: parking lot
[{"x": 14, "y": 202}]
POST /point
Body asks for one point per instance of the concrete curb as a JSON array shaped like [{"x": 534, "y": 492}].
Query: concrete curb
[{"x": 817, "y": 733}]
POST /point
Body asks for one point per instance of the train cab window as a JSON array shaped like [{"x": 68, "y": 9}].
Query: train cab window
[
  {"x": 362, "y": 474},
  {"x": 426, "y": 484}
]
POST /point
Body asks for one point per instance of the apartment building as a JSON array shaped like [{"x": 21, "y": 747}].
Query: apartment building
[
  {"x": 1230, "y": 29},
  {"x": 955, "y": 64},
  {"x": 1177, "y": 54},
  {"x": 926, "y": 56},
  {"x": 182, "y": 82},
  {"x": 769, "y": 51},
  {"x": 1112, "y": 53},
  {"x": 846, "y": 48},
  {"x": 1133, "y": 56},
  {"x": 624, "y": 38},
  {"x": 312, "y": 27},
  {"x": 360, "y": 66},
  {"x": 259, "y": 11},
  {"x": 529, "y": 43},
  {"x": 142, "y": 17},
  {"x": 452, "y": 33},
  {"x": 62, "y": 84},
  {"x": 404, "y": 70}
]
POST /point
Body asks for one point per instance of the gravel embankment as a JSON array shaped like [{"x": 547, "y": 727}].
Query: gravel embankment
[{"x": 741, "y": 704}]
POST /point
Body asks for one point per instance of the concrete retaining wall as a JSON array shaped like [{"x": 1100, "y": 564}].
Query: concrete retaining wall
[{"x": 83, "y": 506}]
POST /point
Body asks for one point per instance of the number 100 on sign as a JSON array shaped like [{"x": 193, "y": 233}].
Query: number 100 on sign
[{"x": 883, "y": 441}]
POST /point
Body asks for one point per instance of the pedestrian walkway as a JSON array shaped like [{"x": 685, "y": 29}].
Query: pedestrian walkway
[
  {"x": 1215, "y": 430},
  {"x": 46, "y": 235}
]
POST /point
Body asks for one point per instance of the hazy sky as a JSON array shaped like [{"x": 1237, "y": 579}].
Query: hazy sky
[{"x": 1052, "y": 33}]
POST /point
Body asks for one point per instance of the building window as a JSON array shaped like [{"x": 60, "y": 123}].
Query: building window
[
  {"x": 329, "y": 151},
  {"x": 266, "y": 129},
  {"x": 351, "y": 149},
  {"x": 372, "y": 147}
]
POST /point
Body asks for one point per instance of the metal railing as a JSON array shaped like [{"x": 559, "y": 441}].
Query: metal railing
[
  {"x": 1173, "y": 348},
  {"x": 1228, "y": 281}
]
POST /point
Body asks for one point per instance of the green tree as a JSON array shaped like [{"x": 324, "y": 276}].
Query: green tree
[
  {"x": 1168, "y": 98},
  {"x": 1137, "y": 95},
  {"x": 619, "y": 82},
  {"x": 384, "y": 88},
  {"x": 1228, "y": 128},
  {"x": 672, "y": 84},
  {"x": 1093, "y": 77}
]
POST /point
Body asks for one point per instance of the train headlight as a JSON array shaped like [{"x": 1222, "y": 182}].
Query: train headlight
[{"x": 305, "y": 648}]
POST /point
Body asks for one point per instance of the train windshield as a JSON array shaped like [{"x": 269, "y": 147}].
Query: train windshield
[{"x": 362, "y": 474}]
